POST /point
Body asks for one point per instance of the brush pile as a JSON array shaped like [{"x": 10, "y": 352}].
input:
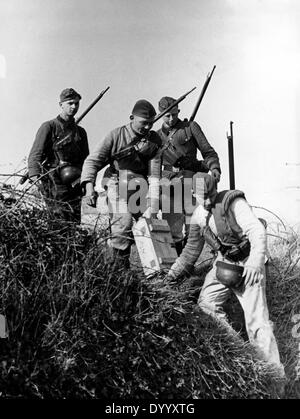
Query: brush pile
[{"x": 80, "y": 327}]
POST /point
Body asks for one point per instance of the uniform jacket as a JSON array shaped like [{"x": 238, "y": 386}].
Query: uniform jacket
[
  {"x": 147, "y": 165},
  {"x": 228, "y": 230},
  {"x": 57, "y": 140},
  {"x": 116, "y": 141},
  {"x": 183, "y": 141}
]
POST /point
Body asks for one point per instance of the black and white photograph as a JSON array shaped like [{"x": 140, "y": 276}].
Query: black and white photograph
[{"x": 149, "y": 202}]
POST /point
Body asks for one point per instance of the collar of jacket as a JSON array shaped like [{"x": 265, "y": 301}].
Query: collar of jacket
[
  {"x": 64, "y": 122},
  {"x": 167, "y": 130}
]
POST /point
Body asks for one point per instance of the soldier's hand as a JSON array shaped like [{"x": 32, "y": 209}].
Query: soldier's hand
[
  {"x": 90, "y": 199},
  {"x": 90, "y": 195},
  {"x": 252, "y": 275},
  {"x": 216, "y": 175},
  {"x": 170, "y": 277}
]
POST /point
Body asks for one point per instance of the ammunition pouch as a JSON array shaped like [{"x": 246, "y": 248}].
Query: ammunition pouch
[
  {"x": 129, "y": 158},
  {"x": 229, "y": 275},
  {"x": 237, "y": 253},
  {"x": 127, "y": 151},
  {"x": 232, "y": 252}
]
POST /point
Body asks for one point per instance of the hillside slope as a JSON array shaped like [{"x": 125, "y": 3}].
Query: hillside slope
[{"x": 80, "y": 327}]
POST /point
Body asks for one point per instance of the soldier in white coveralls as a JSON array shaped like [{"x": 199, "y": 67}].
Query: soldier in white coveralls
[{"x": 239, "y": 266}]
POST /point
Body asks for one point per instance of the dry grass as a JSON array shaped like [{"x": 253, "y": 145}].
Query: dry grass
[
  {"x": 80, "y": 327},
  {"x": 283, "y": 296},
  {"x": 284, "y": 302}
]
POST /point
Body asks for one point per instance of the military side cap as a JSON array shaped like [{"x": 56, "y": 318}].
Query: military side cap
[
  {"x": 144, "y": 109},
  {"x": 165, "y": 102},
  {"x": 69, "y": 94}
]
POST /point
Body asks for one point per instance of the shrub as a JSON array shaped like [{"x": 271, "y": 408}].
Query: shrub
[{"x": 81, "y": 327}]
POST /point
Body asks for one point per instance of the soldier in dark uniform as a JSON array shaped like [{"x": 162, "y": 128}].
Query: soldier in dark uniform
[
  {"x": 181, "y": 141},
  {"x": 57, "y": 156}
]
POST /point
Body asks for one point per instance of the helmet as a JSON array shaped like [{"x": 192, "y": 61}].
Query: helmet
[
  {"x": 69, "y": 174},
  {"x": 229, "y": 274}
]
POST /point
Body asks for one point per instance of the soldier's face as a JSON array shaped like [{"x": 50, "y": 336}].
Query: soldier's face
[
  {"x": 69, "y": 107},
  {"x": 171, "y": 117},
  {"x": 141, "y": 125}
]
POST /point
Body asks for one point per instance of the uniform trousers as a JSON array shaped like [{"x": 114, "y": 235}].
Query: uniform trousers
[
  {"x": 253, "y": 301},
  {"x": 122, "y": 215},
  {"x": 178, "y": 204},
  {"x": 63, "y": 200}
]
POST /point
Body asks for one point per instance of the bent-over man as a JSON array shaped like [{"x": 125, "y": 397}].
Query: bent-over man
[{"x": 240, "y": 243}]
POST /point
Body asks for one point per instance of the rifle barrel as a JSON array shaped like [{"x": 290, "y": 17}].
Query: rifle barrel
[
  {"x": 231, "y": 158},
  {"x": 172, "y": 105},
  {"x": 92, "y": 105},
  {"x": 202, "y": 94}
]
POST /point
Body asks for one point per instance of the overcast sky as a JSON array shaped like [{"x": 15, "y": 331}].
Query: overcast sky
[{"x": 149, "y": 49}]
